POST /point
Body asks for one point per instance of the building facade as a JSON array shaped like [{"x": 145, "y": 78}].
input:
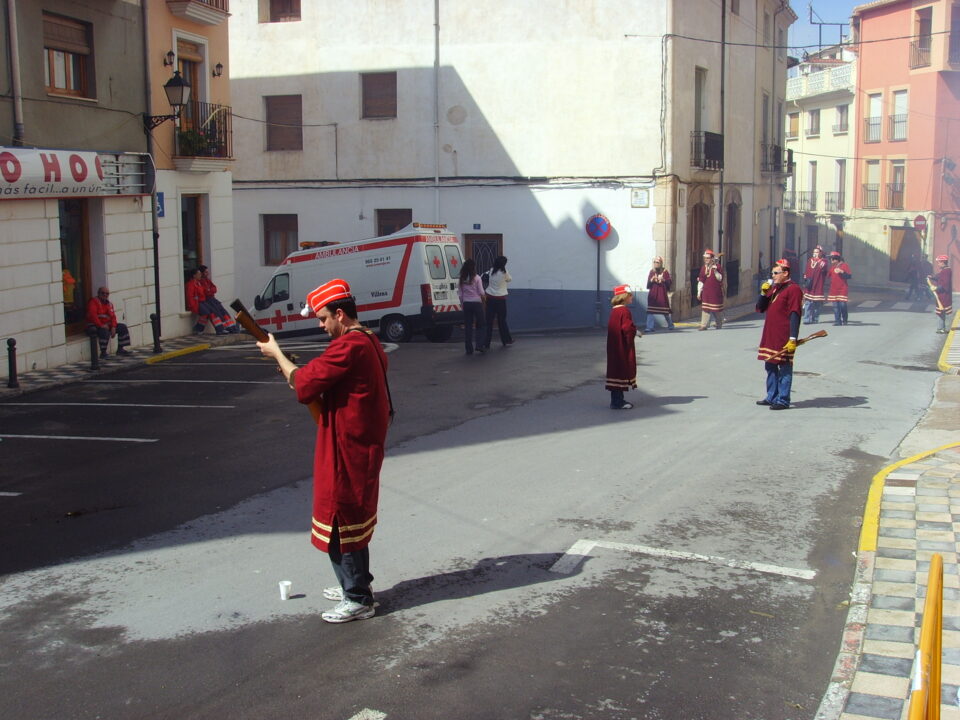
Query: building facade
[{"x": 434, "y": 113}]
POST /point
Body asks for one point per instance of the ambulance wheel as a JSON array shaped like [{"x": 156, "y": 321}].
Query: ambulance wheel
[
  {"x": 439, "y": 334},
  {"x": 395, "y": 329}
]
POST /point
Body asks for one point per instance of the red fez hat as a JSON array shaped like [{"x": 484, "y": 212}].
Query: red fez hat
[
  {"x": 941, "y": 258},
  {"x": 835, "y": 254},
  {"x": 622, "y": 290},
  {"x": 783, "y": 262},
  {"x": 336, "y": 289},
  {"x": 708, "y": 253}
]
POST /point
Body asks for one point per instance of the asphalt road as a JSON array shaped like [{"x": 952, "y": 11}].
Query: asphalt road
[{"x": 538, "y": 555}]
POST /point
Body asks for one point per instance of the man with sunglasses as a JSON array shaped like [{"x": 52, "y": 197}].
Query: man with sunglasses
[
  {"x": 102, "y": 322},
  {"x": 781, "y": 301}
]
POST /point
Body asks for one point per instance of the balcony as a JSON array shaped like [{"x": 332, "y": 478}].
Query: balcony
[
  {"x": 812, "y": 131},
  {"x": 204, "y": 12},
  {"x": 807, "y": 201},
  {"x": 841, "y": 127},
  {"x": 834, "y": 202},
  {"x": 871, "y": 196},
  {"x": 871, "y": 130},
  {"x": 920, "y": 53},
  {"x": 898, "y": 128},
  {"x": 895, "y": 196},
  {"x": 774, "y": 159},
  {"x": 706, "y": 150},
  {"x": 819, "y": 83},
  {"x": 204, "y": 141},
  {"x": 789, "y": 200}
]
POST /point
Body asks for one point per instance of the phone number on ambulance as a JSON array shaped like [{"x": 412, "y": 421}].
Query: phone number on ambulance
[{"x": 382, "y": 260}]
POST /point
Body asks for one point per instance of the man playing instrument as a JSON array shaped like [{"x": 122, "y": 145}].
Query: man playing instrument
[
  {"x": 710, "y": 291},
  {"x": 349, "y": 382},
  {"x": 941, "y": 285},
  {"x": 781, "y": 300},
  {"x": 814, "y": 277}
]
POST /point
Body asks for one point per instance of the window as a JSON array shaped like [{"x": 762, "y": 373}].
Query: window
[
  {"x": 389, "y": 221},
  {"x": 279, "y": 237},
  {"x": 75, "y": 260},
  {"x": 793, "y": 127},
  {"x": 898, "y": 121},
  {"x": 379, "y": 95},
  {"x": 843, "y": 119},
  {"x": 871, "y": 188},
  {"x": 813, "y": 123},
  {"x": 67, "y": 56},
  {"x": 871, "y": 125},
  {"x": 284, "y": 122},
  {"x": 766, "y": 28},
  {"x": 923, "y": 29},
  {"x": 699, "y": 99},
  {"x": 435, "y": 263},
  {"x": 735, "y": 7},
  {"x": 895, "y": 188},
  {"x": 781, "y": 44},
  {"x": 452, "y": 252},
  {"x": 284, "y": 10}
]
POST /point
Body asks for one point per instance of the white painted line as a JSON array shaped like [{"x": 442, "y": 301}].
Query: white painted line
[
  {"x": 902, "y": 306},
  {"x": 208, "y": 382},
  {"x": 367, "y": 714},
  {"x": 79, "y": 437},
  {"x": 134, "y": 405},
  {"x": 10, "y": 494},
  {"x": 868, "y": 303},
  {"x": 577, "y": 553}
]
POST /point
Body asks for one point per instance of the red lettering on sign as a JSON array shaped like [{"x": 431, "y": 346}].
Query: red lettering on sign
[
  {"x": 51, "y": 167},
  {"x": 10, "y": 167},
  {"x": 99, "y": 167},
  {"x": 78, "y": 168}
]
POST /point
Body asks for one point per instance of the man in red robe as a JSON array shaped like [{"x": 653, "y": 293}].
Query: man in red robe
[
  {"x": 782, "y": 302},
  {"x": 941, "y": 284},
  {"x": 814, "y": 278},
  {"x": 349, "y": 382},
  {"x": 710, "y": 291}
]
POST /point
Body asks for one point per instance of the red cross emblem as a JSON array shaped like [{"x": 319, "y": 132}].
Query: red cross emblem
[{"x": 278, "y": 318}]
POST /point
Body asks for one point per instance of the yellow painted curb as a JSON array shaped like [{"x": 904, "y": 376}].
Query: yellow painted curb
[
  {"x": 942, "y": 363},
  {"x": 177, "y": 353},
  {"x": 871, "y": 513}
]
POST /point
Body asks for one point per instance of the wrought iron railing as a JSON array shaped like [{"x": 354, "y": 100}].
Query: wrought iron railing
[
  {"x": 789, "y": 200},
  {"x": 834, "y": 202},
  {"x": 895, "y": 196},
  {"x": 871, "y": 195},
  {"x": 920, "y": 53},
  {"x": 206, "y": 130},
  {"x": 807, "y": 201},
  {"x": 774, "y": 158},
  {"x": 706, "y": 150},
  {"x": 898, "y": 127},
  {"x": 871, "y": 129}
]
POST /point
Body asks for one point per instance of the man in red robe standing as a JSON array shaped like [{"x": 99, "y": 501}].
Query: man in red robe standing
[
  {"x": 710, "y": 291},
  {"x": 349, "y": 383},
  {"x": 941, "y": 284},
  {"x": 814, "y": 278},
  {"x": 782, "y": 302}
]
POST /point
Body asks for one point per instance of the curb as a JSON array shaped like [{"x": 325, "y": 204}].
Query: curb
[
  {"x": 942, "y": 363},
  {"x": 177, "y": 353}
]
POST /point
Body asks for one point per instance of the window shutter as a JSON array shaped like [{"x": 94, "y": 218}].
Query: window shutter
[
  {"x": 284, "y": 122},
  {"x": 64, "y": 34},
  {"x": 379, "y": 95}
]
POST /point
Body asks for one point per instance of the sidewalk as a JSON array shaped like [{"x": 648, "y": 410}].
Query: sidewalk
[
  {"x": 912, "y": 511},
  {"x": 74, "y": 372}
]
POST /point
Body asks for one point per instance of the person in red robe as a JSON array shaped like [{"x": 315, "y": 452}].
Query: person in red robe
[
  {"x": 941, "y": 285},
  {"x": 659, "y": 285},
  {"x": 782, "y": 302},
  {"x": 349, "y": 382},
  {"x": 710, "y": 291},
  {"x": 814, "y": 278},
  {"x": 839, "y": 287},
  {"x": 621, "y": 351}
]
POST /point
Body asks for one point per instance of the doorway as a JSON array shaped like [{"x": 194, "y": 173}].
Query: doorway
[{"x": 483, "y": 248}]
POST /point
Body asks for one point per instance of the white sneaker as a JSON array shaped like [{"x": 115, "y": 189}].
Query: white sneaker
[{"x": 348, "y": 610}]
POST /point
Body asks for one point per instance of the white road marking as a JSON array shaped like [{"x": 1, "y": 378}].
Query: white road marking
[
  {"x": 136, "y": 405},
  {"x": 79, "y": 437},
  {"x": 868, "y": 303},
  {"x": 902, "y": 306},
  {"x": 367, "y": 714},
  {"x": 10, "y": 494},
  {"x": 581, "y": 549}
]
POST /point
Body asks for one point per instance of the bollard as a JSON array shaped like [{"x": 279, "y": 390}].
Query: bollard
[
  {"x": 155, "y": 326},
  {"x": 12, "y": 381},
  {"x": 94, "y": 349}
]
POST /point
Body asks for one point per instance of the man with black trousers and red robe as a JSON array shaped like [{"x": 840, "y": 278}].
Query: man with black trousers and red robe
[
  {"x": 349, "y": 382},
  {"x": 781, "y": 301}
]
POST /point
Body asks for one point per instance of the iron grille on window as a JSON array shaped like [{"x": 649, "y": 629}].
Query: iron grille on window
[
  {"x": 206, "y": 130},
  {"x": 774, "y": 158},
  {"x": 706, "y": 150},
  {"x": 807, "y": 201},
  {"x": 895, "y": 196},
  {"x": 871, "y": 129},
  {"x": 920, "y": 53},
  {"x": 898, "y": 127},
  {"x": 789, "y": 200},
  {"x": 834, "y": 202},
  {"x": 841, "y": 127},
  {"x": 871, "y": 195}
]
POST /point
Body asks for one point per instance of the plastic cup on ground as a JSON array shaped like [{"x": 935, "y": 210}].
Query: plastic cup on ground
[{"x": 285, "y": 587}]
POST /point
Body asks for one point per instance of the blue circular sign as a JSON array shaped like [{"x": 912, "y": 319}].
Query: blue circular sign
[{"x": 598, "y": 227}]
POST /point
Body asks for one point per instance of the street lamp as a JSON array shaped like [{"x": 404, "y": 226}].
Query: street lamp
[{"x": 178, "y": 94}]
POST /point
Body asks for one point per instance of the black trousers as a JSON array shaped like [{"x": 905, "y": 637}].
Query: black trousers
[{"x": 352, "y": 570}]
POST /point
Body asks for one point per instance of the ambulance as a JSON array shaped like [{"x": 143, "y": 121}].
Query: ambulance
[{"x": 403, "y": 283}]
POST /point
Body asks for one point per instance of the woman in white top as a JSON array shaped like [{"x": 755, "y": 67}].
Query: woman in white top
[{"x": 497, "y": 301}]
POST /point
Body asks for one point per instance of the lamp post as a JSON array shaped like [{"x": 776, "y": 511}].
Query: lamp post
[{"x": 178, "y": 95}]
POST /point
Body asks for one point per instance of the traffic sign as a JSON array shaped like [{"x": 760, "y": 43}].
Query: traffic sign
[{"x": 920, "y": 223}]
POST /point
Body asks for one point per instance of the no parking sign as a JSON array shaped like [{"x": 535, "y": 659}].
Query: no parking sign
[{"x": 598, "y": 227}]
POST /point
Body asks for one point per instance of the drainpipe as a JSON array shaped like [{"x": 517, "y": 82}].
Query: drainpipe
[
  {"x": 15, "y": 72},
  {"x": 436, "y": 111},
  {"x": 784, "y": 5},
  {"x": 723, "y": 117},
  {"x": 154, "y": 219}
]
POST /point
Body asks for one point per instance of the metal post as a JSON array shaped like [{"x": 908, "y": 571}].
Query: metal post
[
  {"x": 155, "y": 325},
  {"x": 12, "y": 381},
  {"x": 94, "y": 350}
]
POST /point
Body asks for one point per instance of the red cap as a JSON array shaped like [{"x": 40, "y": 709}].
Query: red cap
[
  {"x": 941, "y": 258},
  {"x": 708, "y": 253},
  {"x": 336, "y": 289},
  {"x": 783, "y": 262},
  {"x": 622, "y": 290},
  {"x": 835, "y": 254}
]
